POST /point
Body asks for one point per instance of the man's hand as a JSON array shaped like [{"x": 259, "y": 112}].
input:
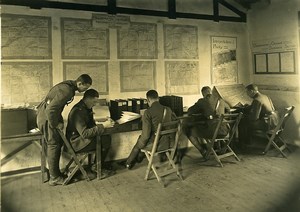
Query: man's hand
[{"x": 108, "y": 123}]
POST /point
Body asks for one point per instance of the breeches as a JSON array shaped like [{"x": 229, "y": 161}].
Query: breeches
[
  {"x": 54, "y": 143},
  {"x": 105, "y": 146}
]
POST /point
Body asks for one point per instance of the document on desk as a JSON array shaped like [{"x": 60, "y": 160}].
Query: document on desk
[
  {"x": 127, "y": 116},
  {"x": 101, "y": 113}
]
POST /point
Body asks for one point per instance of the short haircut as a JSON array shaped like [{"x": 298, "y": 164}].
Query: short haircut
[
  {"x": 252, "y": 87},
  {"x": 152, "y": 94},
  {"x": 91, "y": 93},
  {"x": 206, "y": 89},
  {"x": 85, "y": 79}
]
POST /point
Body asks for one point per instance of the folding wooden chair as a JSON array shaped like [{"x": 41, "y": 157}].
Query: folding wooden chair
[
  {"x": 220, "y": 146},
  {"x": 77, "y": 158},
  {"x": 167, "y": 130},
  {"x": 274, "y": 135}
]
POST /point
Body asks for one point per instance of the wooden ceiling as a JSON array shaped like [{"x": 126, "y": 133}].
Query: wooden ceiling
[{"x": 172, "y": 8}]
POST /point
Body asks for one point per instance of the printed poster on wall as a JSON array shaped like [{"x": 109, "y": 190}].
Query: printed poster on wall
[{"x": 223, "y": 60}]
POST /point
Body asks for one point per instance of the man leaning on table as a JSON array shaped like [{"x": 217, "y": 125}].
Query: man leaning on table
[
  {"x": 49, "y": 120},
  {"x": 82, "y": 130}
]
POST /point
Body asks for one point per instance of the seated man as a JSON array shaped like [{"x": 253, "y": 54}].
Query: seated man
[
  {"x": 208, "y": 109},
  {"x": 151, "y": 118},
  {"x": 260, "y": 115},
  {"x": 82, "y": 129}
]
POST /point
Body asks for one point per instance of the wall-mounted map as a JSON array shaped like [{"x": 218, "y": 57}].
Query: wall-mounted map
[
  {"x": 137, "y": 75},
  {"x": 97, "y": 70},
  {"x": 81, "y": 41},
  {"x": 24, "y": 82},
  {"x": 25, "y": 37},
  {"x": 223, "y": 60},
  {"x": 180, "y": 42},
  {"x": 139, "y": 41},
  {"x": 182, "y": 77}
]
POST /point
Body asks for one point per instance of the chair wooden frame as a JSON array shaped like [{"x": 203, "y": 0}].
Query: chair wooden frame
[
  {"x": 77, "y": 158},
  {"x": 276, "y": 134},
  {"x": 164, "y": 129},
  {"x": 223, "y": 149}
]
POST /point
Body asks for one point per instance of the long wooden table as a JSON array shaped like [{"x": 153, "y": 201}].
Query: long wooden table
[
  {"x": 27, "y": 139},
  {"x": 134, "y": 125}
]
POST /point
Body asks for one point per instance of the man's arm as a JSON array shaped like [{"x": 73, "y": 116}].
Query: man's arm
[
  {"x": 195, "y": 109},
  {"x": 146, "y": 130},
  {"x": 83, "y": 130},
  {"x": 255, "y": 110},
  {"x": 53, "y": 110}
]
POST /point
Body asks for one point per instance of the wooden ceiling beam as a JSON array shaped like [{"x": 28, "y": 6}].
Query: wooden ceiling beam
[{"x": 111, "y": 8}]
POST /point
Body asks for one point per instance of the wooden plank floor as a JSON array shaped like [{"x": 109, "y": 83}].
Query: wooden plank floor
[{"x": 257, "y": 183}]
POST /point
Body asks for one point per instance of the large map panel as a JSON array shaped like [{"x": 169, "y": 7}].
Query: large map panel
[
  {"x": 182, "y": 77},
  {"x": 25, "y": 82},
  {"x": 139, "y": 41},
  {"x": 181, "y": 42},
  {"x": 97, "y": 70},
  {"x": 25, "y": 37},
  {"x": 81, "y": 41},
  {"x": 137, "y": 75},
  {"x": 224, "y": 63}
]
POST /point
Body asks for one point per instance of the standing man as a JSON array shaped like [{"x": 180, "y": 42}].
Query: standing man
[
  {"x": 207, "y": 110},
  {"x": 260, "y": 115},
  {"x": 82, "y": 130},
  {"x": 49, "y": 119},
  {"x": 151, "y": 118}
]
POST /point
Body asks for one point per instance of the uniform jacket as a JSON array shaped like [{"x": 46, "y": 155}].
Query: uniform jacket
[
  {"x": 207, "y": 107},
  {"x": 81, "y": 128},
  {"x": 51, "y": 107},
  {"x": 152, "y": 117},
  {"x": 210, "y": 109},
  {"x": 260, "y": 107},
  {"x": 262, "y": 111}
]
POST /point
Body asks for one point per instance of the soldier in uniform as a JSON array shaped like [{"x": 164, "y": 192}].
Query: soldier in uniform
[
  {"x": 206, "y": 110},
  {"x": 82, "y": 130},
  {"x": 260, "y": 115},
  {"x": 49, "y": 119},
  {"x": 151, "y": 118}
]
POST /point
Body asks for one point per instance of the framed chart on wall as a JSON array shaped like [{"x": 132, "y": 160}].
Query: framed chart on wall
[
  {"x": 25, "y": 37},
  {"x": 275, "y": 63},
  {"x": 137, "y": 76},
  {"x": 25, "y": 82},
  {"x": 275, "y": 55},
  {"x": 80, "y": 40},
  {"x": 182, "y": 77},
  {"x": 224, "y": 67},
  {"x": 97, "y": 70}
]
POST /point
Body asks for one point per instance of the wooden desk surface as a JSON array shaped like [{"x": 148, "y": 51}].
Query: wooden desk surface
[{"x": 126, "y": 127}]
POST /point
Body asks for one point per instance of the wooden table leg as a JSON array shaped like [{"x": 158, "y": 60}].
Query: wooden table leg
[
  {"x": 44, "y": 170},
  {"x": 98, "y": 157}
]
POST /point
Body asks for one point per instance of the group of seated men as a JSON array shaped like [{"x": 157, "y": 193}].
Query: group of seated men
[{"x": 82, "y": 130}]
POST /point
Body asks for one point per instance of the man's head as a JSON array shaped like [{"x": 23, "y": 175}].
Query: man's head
[
  {"x": 83, "y": 82},
  {"x": 152, "y": 96},
  {"x": 90, "y": 98},
  {"x": 252, "y": 90},
  {"x": 205, "y": 91}
]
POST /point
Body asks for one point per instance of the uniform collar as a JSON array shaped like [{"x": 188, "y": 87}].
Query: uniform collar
[
  {"x": 155, "y": 103},
  {"x": 83, "y": 105}
]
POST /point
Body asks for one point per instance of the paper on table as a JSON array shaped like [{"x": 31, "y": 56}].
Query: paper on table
[{"x": 128, "y": 116}]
